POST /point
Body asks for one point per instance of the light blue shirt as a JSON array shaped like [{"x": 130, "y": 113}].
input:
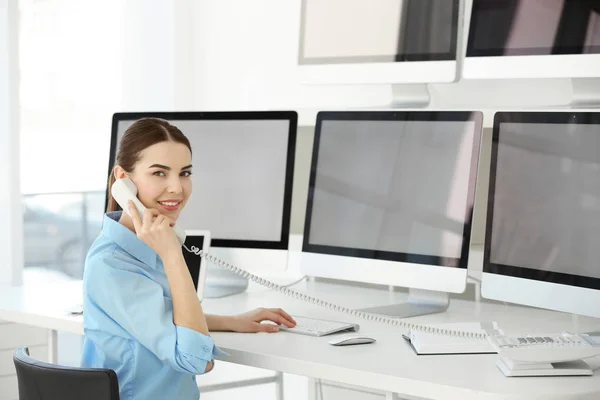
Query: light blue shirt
[{"x": 128, "y": 320}]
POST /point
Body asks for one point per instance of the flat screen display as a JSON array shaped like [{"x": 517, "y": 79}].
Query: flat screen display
[
  {"x": 544, "y": 200},
  {"x": 534, "y": 27},
  {"x": 382, "y": 31},
  {"x": 242, "y": 173},
  {"x": 393, "y": 186}
]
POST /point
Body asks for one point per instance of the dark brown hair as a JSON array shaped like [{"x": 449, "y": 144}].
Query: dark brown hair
[{"x": 142, "y": 134}]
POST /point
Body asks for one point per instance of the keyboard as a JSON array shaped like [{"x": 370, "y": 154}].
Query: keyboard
[{"x": 318, "y": 327}]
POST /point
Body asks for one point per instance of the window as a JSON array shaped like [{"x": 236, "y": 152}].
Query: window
[{"x": 70, "y": 69}]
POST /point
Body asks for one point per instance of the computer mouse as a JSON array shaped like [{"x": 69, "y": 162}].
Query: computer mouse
[{"x": 350, "y": 339}]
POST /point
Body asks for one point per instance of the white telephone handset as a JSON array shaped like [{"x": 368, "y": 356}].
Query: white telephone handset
[{"x": 124, "y": 190}]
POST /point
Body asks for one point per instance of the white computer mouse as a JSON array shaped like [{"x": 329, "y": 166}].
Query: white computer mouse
[{"x": 350, "y": 339}]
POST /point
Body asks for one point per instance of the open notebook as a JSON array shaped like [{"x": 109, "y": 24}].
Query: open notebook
[{"x": 429, "y": 343}]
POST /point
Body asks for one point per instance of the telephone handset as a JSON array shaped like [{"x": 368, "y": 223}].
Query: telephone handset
[{"x": 124, "y": 189}]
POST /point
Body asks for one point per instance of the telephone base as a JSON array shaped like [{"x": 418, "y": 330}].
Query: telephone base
[{"x": 569, "y": 368}]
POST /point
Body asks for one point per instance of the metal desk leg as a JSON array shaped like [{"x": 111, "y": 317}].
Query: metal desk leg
[
  {"x": 313, "y": 389},
  {"x": 52, "y": 346},
  {"x": 279, "y": 385}
]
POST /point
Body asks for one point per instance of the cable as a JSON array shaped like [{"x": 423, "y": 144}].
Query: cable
[
  {"x": 313, "y": 300},
  {"x": 294, "y": 282}
]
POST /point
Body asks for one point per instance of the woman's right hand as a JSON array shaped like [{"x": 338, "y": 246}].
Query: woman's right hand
[{"x": 156, "y": 231}]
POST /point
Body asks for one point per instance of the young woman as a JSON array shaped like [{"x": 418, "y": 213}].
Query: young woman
[{"x": 142, "y": 316}]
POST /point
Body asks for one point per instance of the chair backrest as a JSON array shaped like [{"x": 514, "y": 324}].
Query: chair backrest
[{"x": 42, "y": 381}]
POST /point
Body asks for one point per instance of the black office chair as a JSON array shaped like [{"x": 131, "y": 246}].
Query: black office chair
[{"x": 42, "y": 381}]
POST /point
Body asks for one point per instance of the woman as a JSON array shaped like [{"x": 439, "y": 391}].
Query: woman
[{"x": 142, "y": 316}]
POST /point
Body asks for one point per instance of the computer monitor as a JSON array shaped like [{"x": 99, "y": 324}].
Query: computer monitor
[
  {"x": 533, "y": 39},
  {"x": 543, "y": 216},
  {"x": 242, "y": 186},
  {"x": 379, "y": 42},
  {"x": 390, "y": 202}
]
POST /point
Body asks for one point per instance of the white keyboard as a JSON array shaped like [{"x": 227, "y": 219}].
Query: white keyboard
[{"x": 318, "y": 327}]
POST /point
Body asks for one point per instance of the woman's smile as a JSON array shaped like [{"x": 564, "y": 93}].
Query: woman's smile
[{"x": 169, "y": 205}]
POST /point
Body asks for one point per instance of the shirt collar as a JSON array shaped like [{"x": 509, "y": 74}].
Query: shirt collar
[{"x": 127, "y": 240}]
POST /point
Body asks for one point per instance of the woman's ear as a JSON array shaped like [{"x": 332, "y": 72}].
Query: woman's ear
[{"x": 119, "y": 172}]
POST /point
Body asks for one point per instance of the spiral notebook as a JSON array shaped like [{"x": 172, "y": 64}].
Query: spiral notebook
[{"x": 430, "y": 343}]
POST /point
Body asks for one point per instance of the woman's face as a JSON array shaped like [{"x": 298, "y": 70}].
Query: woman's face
[{"x": 162, "y": 176}]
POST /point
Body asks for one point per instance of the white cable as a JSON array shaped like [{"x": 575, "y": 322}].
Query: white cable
[
  {"x": 313, "y": 300},
  {"x": 295, "y": 282}
]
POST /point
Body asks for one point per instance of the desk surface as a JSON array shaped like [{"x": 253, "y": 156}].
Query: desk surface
[{"x": 389, "y": 364}]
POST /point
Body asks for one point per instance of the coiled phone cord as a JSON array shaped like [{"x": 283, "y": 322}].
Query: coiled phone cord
[{"x": 313, "y": 300}]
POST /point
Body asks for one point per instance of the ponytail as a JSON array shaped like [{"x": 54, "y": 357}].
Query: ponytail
[{"x": 112, "y": 203}]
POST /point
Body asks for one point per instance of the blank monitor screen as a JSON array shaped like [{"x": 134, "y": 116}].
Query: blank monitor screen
[
  {"x": 534, "y": 27},
  {"x": 367, "y": 31},
  {"x": 544, "y": 212},
  {"x": 242, "y": 173},
  {"x": 395, "y": 186}
]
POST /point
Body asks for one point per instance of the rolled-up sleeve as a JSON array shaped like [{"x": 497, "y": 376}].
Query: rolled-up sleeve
[
  {"x": 190, "y": 348},
  {"x": 132, "y": 305}
]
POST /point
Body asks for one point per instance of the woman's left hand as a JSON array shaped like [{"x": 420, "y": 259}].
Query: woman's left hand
[{"x": 251, "y": 321}]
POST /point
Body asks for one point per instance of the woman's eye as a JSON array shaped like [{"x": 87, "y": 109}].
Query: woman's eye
[
  {"x": 186, "y": 173},
  {"x": 159, "y": 173}
]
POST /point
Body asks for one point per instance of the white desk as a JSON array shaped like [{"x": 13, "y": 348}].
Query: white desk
[{"x": 388, "y": 365}]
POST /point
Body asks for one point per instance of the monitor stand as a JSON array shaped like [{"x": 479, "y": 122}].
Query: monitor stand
[
  {"x": 222, "y": 283},
  {"x": 586, "y": 92},
  {"x": 420, "y": 302},
  {"x": 415, "y": 95}
]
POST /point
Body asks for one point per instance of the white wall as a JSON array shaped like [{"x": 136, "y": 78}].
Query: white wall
[
  {"x": 11, "y": 219},
  {"x": 148, "y": 62},
  {"x": 158, "y": 55},
  {"x": 245, "y": 58}
]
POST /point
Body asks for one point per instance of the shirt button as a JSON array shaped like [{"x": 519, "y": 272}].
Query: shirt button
[{"x": 206, "y": 348}]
